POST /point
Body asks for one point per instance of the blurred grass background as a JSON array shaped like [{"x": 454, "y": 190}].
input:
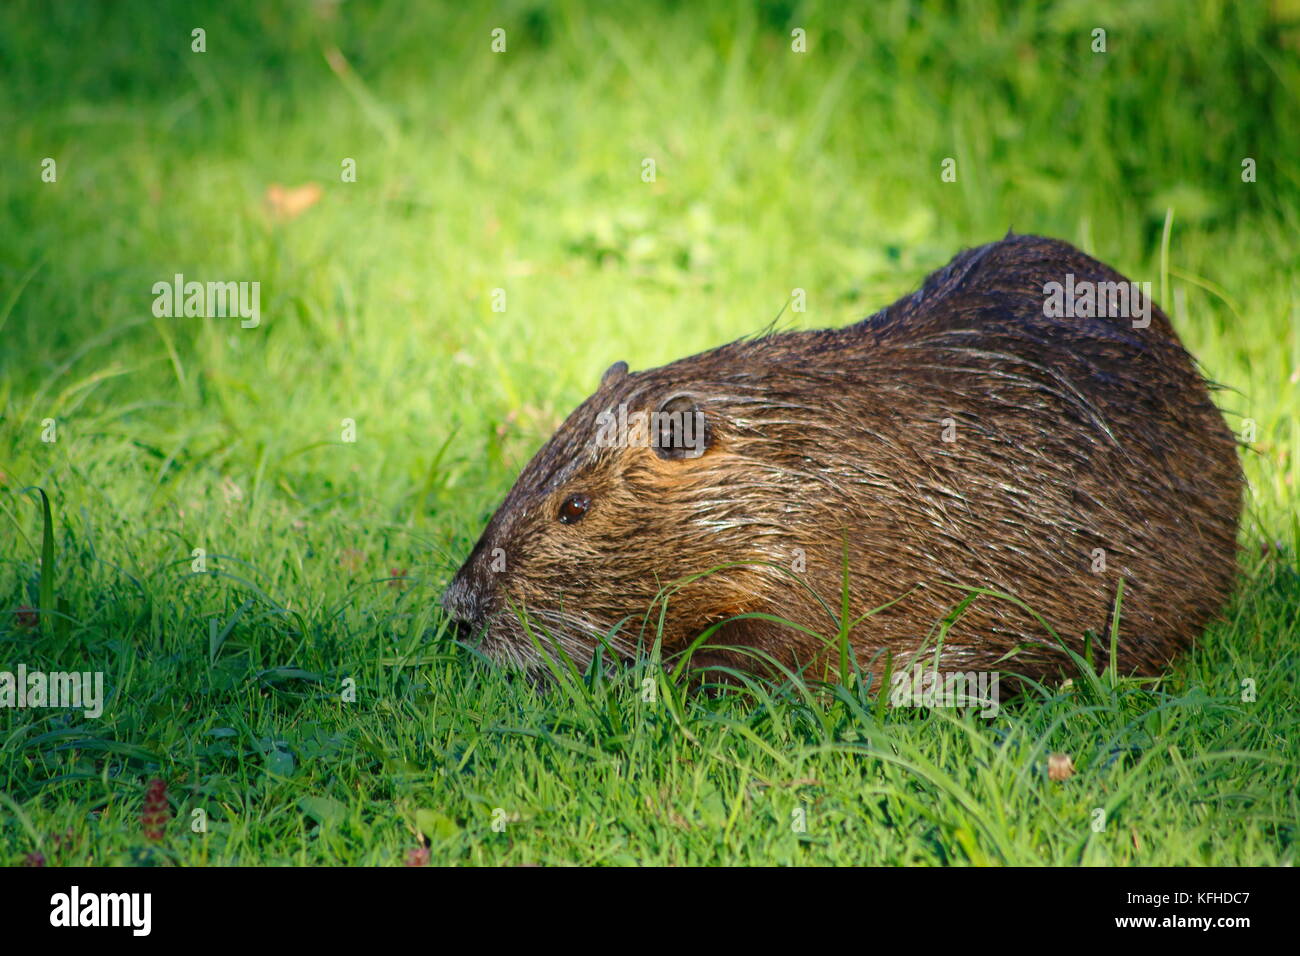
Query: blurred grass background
[{"x": 521, "y": 171}]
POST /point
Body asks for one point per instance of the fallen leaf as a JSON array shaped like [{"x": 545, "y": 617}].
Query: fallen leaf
[
  {"x": 1060, "y": 767},
  {"x": 288, "y": 204},
  {"x": 418, "y": 857}
]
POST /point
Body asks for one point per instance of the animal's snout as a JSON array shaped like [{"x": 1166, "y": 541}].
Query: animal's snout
[{"x": 463, "y": 601}]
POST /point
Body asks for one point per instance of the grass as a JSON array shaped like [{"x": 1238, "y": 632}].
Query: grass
[{"x": 228, "y": 673}]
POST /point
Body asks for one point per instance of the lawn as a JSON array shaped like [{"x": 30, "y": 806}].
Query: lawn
[{"x": 249, "y": 527}]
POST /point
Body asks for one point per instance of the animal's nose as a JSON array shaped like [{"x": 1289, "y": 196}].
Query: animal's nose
[{"x": 462, "y": 602}]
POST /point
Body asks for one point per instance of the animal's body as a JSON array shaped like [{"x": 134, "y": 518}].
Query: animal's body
[{"x": 964, "y": 437}]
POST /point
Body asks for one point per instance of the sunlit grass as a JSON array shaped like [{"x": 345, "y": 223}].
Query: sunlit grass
[{"x": 522, "y": 172}]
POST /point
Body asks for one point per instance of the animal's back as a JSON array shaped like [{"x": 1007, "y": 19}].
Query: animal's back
[{"x": 1046, "y": 456}]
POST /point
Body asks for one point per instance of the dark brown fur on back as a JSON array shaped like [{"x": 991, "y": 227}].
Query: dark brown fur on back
[{"x": 1070, "y": 437}]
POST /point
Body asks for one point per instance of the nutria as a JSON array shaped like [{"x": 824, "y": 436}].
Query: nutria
[{"x": 974, "y": 434}]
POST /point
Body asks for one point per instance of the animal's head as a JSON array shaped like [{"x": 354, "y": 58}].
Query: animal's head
[{"x": 657, "y": 478}]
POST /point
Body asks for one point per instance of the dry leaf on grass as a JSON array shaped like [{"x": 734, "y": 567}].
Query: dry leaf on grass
[{"x": 288, "y": 204}]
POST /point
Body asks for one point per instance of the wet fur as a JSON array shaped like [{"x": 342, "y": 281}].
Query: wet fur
[{"x": 1071, "y": 434}]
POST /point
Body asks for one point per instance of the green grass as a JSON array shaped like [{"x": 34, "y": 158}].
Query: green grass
[{"x": 522, "y": 171}]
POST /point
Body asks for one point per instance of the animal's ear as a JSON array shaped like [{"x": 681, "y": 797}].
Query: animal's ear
[
  {"x": 679, "y": 428},
  {"x": 613, "y": 373}
]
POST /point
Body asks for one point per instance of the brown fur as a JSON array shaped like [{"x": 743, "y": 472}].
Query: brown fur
[{"x": 1071, "y": 434}]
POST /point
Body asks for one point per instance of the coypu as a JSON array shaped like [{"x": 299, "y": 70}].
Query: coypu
[{"x": 970, "y": 435}]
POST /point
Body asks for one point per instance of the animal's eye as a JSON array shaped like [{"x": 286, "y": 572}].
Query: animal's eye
[{"x": 574, "y": 507}]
